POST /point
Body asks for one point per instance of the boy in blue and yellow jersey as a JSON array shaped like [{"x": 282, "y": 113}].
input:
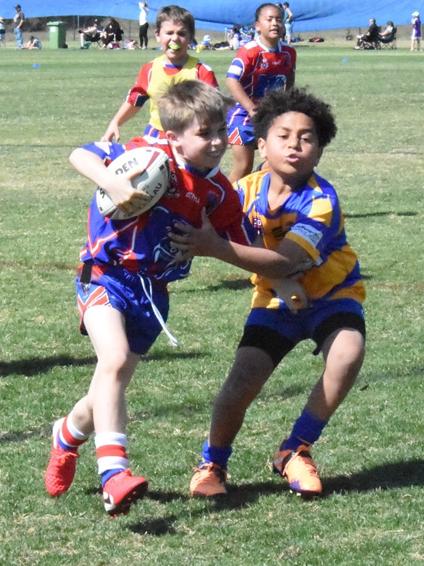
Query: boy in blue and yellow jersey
[
  {"x": 126, "y": 266},
  {"x": 175, "y": 30},
  {"x": 297, "y": 214}
]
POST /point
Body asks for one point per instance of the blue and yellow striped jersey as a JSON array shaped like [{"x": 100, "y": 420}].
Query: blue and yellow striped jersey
[{"x": 311, "y": 217}]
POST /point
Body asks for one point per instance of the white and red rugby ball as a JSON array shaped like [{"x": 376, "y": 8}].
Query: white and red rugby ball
[{"x": 148, "y": 170}]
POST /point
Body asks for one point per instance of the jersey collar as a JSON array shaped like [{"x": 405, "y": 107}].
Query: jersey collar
[{"x": 276, "y": 49}]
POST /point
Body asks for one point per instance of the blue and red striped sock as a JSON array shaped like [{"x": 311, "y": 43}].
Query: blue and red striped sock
[
  {"x": 69, "y": 438},
  {"x": 111, "y": 454}
]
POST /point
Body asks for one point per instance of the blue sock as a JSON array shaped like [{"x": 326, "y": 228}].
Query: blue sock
[
  {"x": 105, "y": 476},
  {"x": 215, "y": 454},
  {"x": 306, "y": 430}
]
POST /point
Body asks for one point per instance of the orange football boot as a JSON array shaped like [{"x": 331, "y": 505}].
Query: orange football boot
[
  {"x": 208, "y": 480},
  {"x": 299, "y": 469}
]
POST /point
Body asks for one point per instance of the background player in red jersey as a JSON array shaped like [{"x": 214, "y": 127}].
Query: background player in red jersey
[
  {"x": 259, "y": 66},
  {"x": 126, "y": 266},
  {"x": 174, "y": 31}
]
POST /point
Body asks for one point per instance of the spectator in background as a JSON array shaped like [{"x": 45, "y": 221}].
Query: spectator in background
[
  {"x": 283, "y": 31},
  {"x": 388, "y": 35},
  {"x": 288, "y": 22},
  {"x": 90, "y": 34},
  {"x": 416, "y": 32},
  {"x": 33, "y": 43},
  {"x": 144, "y": 24},
  {"x": 234, "y": 38},
  {"x": 206, "y": 43},
  {"x": 388, "y": 30},
  {"x": 2, "y": 33},
  {"x": 112, "y": 34},
  {"x": 18, "y": 22},
  {"x": 131, "y": 44},
  {"x": 247, "y": 33},
  {"x": 370, "y": 38}
]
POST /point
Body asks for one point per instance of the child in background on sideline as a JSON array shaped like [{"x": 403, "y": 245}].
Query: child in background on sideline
[
  {"x": 258, "y": 67},
  {"x": 174, "y": 32},
  {"x": 126, "y": 267},
  {"x": 298, "y": 215},
  {"x": 288, "y": 22},
  {"x": 416, "y": 32},
  {"x": 143, "y": 25},
  {"x": 2, "y": 33}
]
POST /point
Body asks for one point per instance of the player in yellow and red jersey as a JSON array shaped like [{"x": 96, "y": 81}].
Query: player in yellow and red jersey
[{"x": 174, "y": 31}]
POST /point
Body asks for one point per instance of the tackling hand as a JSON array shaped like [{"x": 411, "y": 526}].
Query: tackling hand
[{"x": 194, "y": 241}]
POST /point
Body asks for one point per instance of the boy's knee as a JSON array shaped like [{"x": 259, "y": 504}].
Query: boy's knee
[
  {"x": 344, "y": 353},
  {"x": 118, "y": 367}
]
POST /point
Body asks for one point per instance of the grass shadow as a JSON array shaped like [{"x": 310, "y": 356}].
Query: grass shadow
[
  {"x": 163, "y": 525},
  {"x": 230, "y": 284},
  {"x": 155, "y": 527},
  {"x": 166, "y": 496},
  {"x": 241, "y": 495},
  {"x": 382, "y": 213},
  {"x": 22, "y": 436},
  {"x": 174, "y": 355},
  {"x": 36, "y": 366},
  {"x": 386, "y": 476},
  {"x": 288, "y": 392}
]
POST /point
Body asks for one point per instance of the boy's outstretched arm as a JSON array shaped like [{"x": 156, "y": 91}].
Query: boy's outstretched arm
[
  {"x": 289, "y": 259},
  {"x": 125, "y": 112}
]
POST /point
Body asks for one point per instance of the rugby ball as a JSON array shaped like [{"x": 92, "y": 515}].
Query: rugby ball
[{"x": 148, "y": 170}]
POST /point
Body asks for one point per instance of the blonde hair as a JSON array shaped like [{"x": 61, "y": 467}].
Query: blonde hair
[{"x": 185, "y": 101}]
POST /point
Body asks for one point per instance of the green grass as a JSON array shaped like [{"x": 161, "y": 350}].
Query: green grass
[{"x": 371, "y": 456}]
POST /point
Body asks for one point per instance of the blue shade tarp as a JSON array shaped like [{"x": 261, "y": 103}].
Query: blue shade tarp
[{"x": 217, "y": 14}]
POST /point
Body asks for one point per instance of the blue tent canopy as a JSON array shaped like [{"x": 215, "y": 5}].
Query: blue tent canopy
[{"x": 309, "y": 14}]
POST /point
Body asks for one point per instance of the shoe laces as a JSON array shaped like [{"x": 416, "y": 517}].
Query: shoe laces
[
  {"x": 214, "y": 468},
  {"x": 304, "y": 454}
]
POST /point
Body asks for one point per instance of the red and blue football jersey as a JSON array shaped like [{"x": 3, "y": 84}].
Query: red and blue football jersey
[
  {"x": 260, "y": 69},
  {"x": 141, "y": 244}
]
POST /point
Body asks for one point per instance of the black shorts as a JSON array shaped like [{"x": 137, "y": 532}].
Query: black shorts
[{"x": 277, "y": 344}]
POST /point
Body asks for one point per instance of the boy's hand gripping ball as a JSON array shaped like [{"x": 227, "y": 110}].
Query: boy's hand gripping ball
[{"x": 148, "y": 170}]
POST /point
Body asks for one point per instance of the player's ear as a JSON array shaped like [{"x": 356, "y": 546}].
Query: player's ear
[
  {"x": 170, "y": 135},
  {"x": 262, "y": 148},
  {"x": 173, "y": 139}
]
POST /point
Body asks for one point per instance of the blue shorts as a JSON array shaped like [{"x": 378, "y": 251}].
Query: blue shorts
[
  {"x": 277, "y": 331},
  {"x": 123, "y": 291},
  {"x": 239, "y": 127}
]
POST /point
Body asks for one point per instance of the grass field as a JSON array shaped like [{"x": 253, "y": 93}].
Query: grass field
[{"x": 371, "y": 456}]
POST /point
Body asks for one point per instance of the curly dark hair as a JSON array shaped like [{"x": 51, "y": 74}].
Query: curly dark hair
[{"x": 280, "y": 101}]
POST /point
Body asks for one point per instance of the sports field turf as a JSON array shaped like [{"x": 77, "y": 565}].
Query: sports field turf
[{"x": 371, "y": 456}]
